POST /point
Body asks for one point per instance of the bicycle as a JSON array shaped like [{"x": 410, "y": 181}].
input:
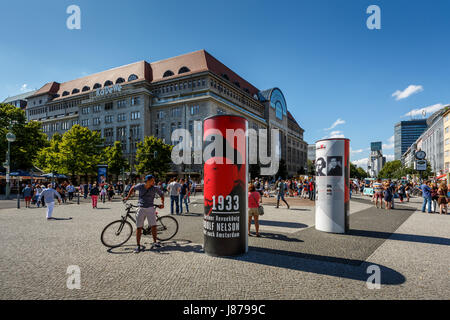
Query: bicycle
[{"x": 119, "y": 232}]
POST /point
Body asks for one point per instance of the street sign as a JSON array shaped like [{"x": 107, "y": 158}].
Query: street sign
[
  {"x": 10, "y": 137},
  {"x": 420, "y": 165},
  {"x": 420, "y": 155}
]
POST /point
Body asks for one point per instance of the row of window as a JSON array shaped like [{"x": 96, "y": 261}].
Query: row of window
[
  {"x": 57, "y": 126},
  {"x": 177, "y": 112},
  {"x": 55, "y": 107},
  {"x": 170, "y": 73},
  {"x": 235, "y": 95},
  {"x": 135, "y": 115},
  {"x": 109, "y": 106},
  {"x": 181, "y": 86}
]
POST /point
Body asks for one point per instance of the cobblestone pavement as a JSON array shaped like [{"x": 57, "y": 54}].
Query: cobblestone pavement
[{"x": 291, "y": 261}]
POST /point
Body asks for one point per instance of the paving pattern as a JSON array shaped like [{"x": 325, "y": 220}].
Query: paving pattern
[{"x": 410, "y": 248}]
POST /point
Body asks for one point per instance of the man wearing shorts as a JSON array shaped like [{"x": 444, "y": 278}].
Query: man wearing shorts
[
  {"x": 147, "y": 192},
  {"x": 378, "y": 193}
]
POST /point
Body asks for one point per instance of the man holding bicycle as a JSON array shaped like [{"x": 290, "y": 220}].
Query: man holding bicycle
[{"x": 147, "y": 192}]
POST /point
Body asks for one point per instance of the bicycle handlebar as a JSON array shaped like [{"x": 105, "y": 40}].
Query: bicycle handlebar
[{"x": 135, "y": 206}]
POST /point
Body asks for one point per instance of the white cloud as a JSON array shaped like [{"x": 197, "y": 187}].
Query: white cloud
[
  {"x": 358, "y": 150},
  {"x": 24, "y": 88},
  {"x": 407, "y": 92},
  {"x": 428, "y": 110},
  {"x": 336, "y": 134},
  {"x": 391, "y": 139},
  {"x": 335, "y": 124},
  {"x": 361, "y": 163}
]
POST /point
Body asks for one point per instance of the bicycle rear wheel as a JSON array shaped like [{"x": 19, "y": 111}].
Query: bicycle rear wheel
[
  {"x": 167, "y": 227},
  {"x": 116, "y": 233}
]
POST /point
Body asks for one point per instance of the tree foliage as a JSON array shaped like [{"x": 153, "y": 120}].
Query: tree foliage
[
  {"x": 357, "y": 172},
  {"x": 29, "y": 137},
  {"x": 153, "y": 156},
  {"x": 78, "y": 151},
  {"x": 396, "y": 170},
  {"x": 114, "y": 158}
]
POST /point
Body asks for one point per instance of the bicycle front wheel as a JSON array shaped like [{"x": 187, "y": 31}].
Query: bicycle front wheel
[
  {"x": 116, "y": 233},
  {"x": 167, "y": 228}
]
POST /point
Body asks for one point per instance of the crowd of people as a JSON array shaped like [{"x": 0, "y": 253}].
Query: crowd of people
[{"x": 434, "y": 194}]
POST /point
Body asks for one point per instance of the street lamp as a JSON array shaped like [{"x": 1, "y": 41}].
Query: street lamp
[{"x": 11, "y": 138}]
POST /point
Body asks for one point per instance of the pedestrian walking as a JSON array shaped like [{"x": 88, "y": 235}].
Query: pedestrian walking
[
  {"x": 27, "y": 193},
  {"x": 442, "y": 198},
  {"x": 37, "y": 192},
  {"x": 174, "y": 192},
  {"x": 183, "y": 195},
  {"x": 434, "y": 197},
  {"x": 94, "y": 195},
  {"x": 70, "y": 190},
  {"x": 253, "y": 205},
  {"x": 378, "y": 193},
  {"x": 281, "y": 190},
  {"x": 426, "y": 194},
  {"x": 49, "y": 195}
]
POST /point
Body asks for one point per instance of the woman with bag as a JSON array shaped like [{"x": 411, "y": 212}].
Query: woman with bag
[
  {"x": 442, "y": 200},
  {"x": 253, "y": 208}
]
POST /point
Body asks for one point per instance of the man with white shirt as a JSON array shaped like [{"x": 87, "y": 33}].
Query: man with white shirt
[
  {"x": 174, "y": 192},
  {"x": 49, "y": 195}
]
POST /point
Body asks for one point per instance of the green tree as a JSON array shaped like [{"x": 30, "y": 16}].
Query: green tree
[
  {"x": 113, "y": 157},
  {"x": 29, "y": 137},
  {"x": 48, "y": 158},
  {"x": 153, "y": 156},
  {"x": 357, "y": 172},
  {"x": 311, "y": 169},
  {"x": 80, "y": 151},
  {"x": 362, "y": 173},
  {"x": 391, "y": 170}
]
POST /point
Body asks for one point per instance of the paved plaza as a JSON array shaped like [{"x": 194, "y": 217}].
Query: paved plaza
[{"x": 290, "y": 261}]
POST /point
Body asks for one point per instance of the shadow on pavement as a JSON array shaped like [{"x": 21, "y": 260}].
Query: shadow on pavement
[
  {"x": 277, "y": 236},
  {"x": 166, "y": 246},
  {"x": 70, "y": 218},
  {"x": 299, "y": 209},
  {"x": 399, "y": 236},
  {"x": 349, "y": 269},
  {"x": 294, "y": 225}
]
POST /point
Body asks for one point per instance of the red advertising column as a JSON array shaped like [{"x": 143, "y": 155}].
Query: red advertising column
[{"x": 225, "y": 185}]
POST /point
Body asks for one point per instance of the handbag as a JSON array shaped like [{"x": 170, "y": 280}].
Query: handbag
[{"x": 260, "y": 208}]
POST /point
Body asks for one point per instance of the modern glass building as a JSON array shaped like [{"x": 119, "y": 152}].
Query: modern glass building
[{"x": 405, "y": 134}]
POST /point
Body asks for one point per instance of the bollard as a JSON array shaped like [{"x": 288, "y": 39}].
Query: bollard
[
  {"x": 78, "y": 198},
  {"x": 18, "y": 200}
]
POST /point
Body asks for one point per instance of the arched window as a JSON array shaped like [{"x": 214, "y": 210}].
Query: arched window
[
  {"x": 183, "y": 70},
  {"x": 237, "y": 84},
  {"x": 225, "y": 76},
  {"x": 132, "y": 77},
  {"x": 168, "y": 73},
  {"x": 120, "y": 80},
  {"x": 85, "y": 88},
  {"x": 97, "y": 85},
  {"x": 75, "y": 91},
  {"x": 108, "y": 83},
  {"x": 65, "y": 93}
]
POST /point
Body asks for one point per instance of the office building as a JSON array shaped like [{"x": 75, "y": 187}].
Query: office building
[{"x": 405, "y": 134}]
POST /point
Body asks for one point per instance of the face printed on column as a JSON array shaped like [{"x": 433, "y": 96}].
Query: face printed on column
[{"x": 223, "y": 179}]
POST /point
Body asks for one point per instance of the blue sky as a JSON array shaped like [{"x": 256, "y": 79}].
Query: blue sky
[{"x": 331, "y": 68}]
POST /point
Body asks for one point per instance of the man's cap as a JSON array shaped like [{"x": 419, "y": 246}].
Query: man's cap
[{"x": 149, "y": 177}]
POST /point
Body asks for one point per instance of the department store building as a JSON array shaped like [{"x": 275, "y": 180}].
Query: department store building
[{"x": 144, "y": 98}]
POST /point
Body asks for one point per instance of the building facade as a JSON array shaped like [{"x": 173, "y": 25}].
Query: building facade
[
  {"x": 405, "y": 134},
  {"x": 446, "y": 123},
  {"x": 19, "y": 101},
  {"x": 153, "y": 99}
]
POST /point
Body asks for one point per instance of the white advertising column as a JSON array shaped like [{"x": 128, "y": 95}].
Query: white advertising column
[{"x": 332, "y": 185}]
